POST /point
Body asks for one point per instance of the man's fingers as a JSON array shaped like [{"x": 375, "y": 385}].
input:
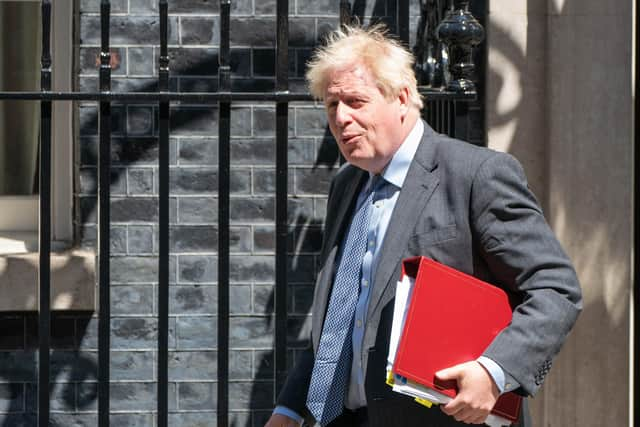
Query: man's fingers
[{"x": 451, "y": 373}]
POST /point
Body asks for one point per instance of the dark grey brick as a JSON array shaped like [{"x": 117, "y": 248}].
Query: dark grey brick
[
  {"x": 138, "y": 150},
  {"x": 263, "y": 302},
  {"x": 197, "y": 332},
  {"x": 298, "y": 330},
  {"x": 138, "y": 396},
  {"x": 192, "y": 238},
  {"x": 138, "y": 333},
  {"x": 300, "y": 209},
  {"x": 195, "y": 419},
  {"x": 264, "y": 62},
  {"x": 193, "y": 181},
  {"x": 240, "y": 364},
  {"x": 263, "y": 364},
  {"x": 240, "y": 122},
  {"x": 73, "y": 419},
  {"x": 264, "y": 121},
  {"x": 251, "y": 395},
  {"x": 240, "y": 299},
  {"x": 195, "y": 7},
  {"x": 11, "y": 397},
  {"x": 134, "y": 269},
  {"x": 117, "y": 6},
  {"x": 193, "y": 365},
  {"x": 131, "y": 420},
  {"x": 242, "y": 7},
  {"x": 127, "y": 30},
  {"x": 194, "y": 61},
  {"x": 253, "y": 151},
  {"x": 268, "y": 7},
  {"x": 197, "y": 269},
  {"x": 19, "y": 419},
  {"x": 198, "y": 84},
  {"x": 140, "y": 120},
  {"x": 253, "y": 31},
  {"x": 244, "y": 268},
  {"x": 240, "y": 239},
  {"x": 264, "y": 181},
  {"x": 197, "y": 210},
  {"x": 61, "y": 396},
  {"x": 139, "y": 209},
  {"x": 311, "y": 122},
  {"x": 325, "y": 26},
  {"x": 303, "y": 298},
  {"x": 132, "y": 365},
  {"x": 257, "y": 209},
  {"x": 194, "y": 299},
  {"x": 88, "y": 179},
  {"x": 197, "y": 396},
  {"x": 264, "y": 239},
  {"x": 118, "y": 240},
  {"x": 140, "y": 181},
  {"x": 320, "y": 210},
  {"x": 303, "y": 56},
  {"x": 191, "y": 121},
  {"x": 308, "y": 239},
  {"x": 137, "y": 299},
  {"x": 313, "y": 181},
  {"x": 200, "y": 30},
  {"x": 198, "y": 151},
  {"x": 301, "y": 269},
  {"x": 18, "y": 366},
  {"x": 141, "y": 61},
  {"x": 141, "y": 239},
  {"x": 250, "y": 332},
  {"x": 90, "y": 61},
  {"x": 319, "y": 7}
]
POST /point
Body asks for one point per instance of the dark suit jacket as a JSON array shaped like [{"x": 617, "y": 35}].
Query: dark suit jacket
[{"x": 470, "y": 208}]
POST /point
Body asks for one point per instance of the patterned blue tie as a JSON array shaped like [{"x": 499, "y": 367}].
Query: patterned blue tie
[{"x": 333, "y": 359}]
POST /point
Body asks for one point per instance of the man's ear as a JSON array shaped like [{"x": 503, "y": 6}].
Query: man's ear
[{"x": 403, "y": 98}]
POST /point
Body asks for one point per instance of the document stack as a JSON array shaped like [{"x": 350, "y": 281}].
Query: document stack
[{"x": 443, "y": 317}]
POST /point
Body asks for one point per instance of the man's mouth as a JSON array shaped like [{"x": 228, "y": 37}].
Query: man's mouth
[{"x": 349, "y": 138}]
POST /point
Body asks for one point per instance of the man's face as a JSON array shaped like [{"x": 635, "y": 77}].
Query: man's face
[{"x": 366, "y": 125}]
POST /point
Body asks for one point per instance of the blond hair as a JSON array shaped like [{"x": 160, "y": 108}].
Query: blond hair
[{"x": 389, "y": 62}]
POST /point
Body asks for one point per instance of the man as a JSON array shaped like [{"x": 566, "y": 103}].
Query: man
[{"x": 408, "y": 191}]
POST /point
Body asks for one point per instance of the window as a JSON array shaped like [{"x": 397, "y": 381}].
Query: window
[{"x": 20, "y": 125}]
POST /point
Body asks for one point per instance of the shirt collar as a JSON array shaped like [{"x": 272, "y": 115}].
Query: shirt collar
[{"x": 397, "y": 169}]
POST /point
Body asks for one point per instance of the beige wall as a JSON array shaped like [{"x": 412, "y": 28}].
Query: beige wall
[{"x": 560, "y": 99}]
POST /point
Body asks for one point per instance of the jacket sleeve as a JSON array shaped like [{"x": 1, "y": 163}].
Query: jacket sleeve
[{"x": 526, "y": 259}]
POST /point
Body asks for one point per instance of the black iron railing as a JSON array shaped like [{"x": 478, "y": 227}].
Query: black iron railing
[{"x": 460, "y": 33}]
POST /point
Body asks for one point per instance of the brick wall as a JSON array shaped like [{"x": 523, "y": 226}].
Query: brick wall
[{"x": 193, "y": 40}]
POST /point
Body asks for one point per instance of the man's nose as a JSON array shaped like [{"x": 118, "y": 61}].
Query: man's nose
[{"x": 343, "y": 114}]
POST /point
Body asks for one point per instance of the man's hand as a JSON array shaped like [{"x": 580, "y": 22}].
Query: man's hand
[
  {"x": 279, "y": 420},
  {"x": 477, "y": 392}
]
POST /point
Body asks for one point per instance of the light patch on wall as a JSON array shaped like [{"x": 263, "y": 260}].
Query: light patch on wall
[
  {"x": 603, "y": 275},
  {"x": 510, "y": 91},
  {"x": 558, "y": 5}
]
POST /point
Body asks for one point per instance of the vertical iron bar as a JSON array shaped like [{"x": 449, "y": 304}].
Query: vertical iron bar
[
  {"x": 282, "y": 84},
  {"x": 163, "y": 226},
  {"x": 224, "y": 136},
  {"x": 44, "y": 319},
  {"x": 403, "y": 21},
  {"x": 104, "y": 182},
  {"x": 345, "y": 12}
]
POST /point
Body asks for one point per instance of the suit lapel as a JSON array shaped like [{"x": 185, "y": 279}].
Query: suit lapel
[{"x": 416, "y": 191}]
